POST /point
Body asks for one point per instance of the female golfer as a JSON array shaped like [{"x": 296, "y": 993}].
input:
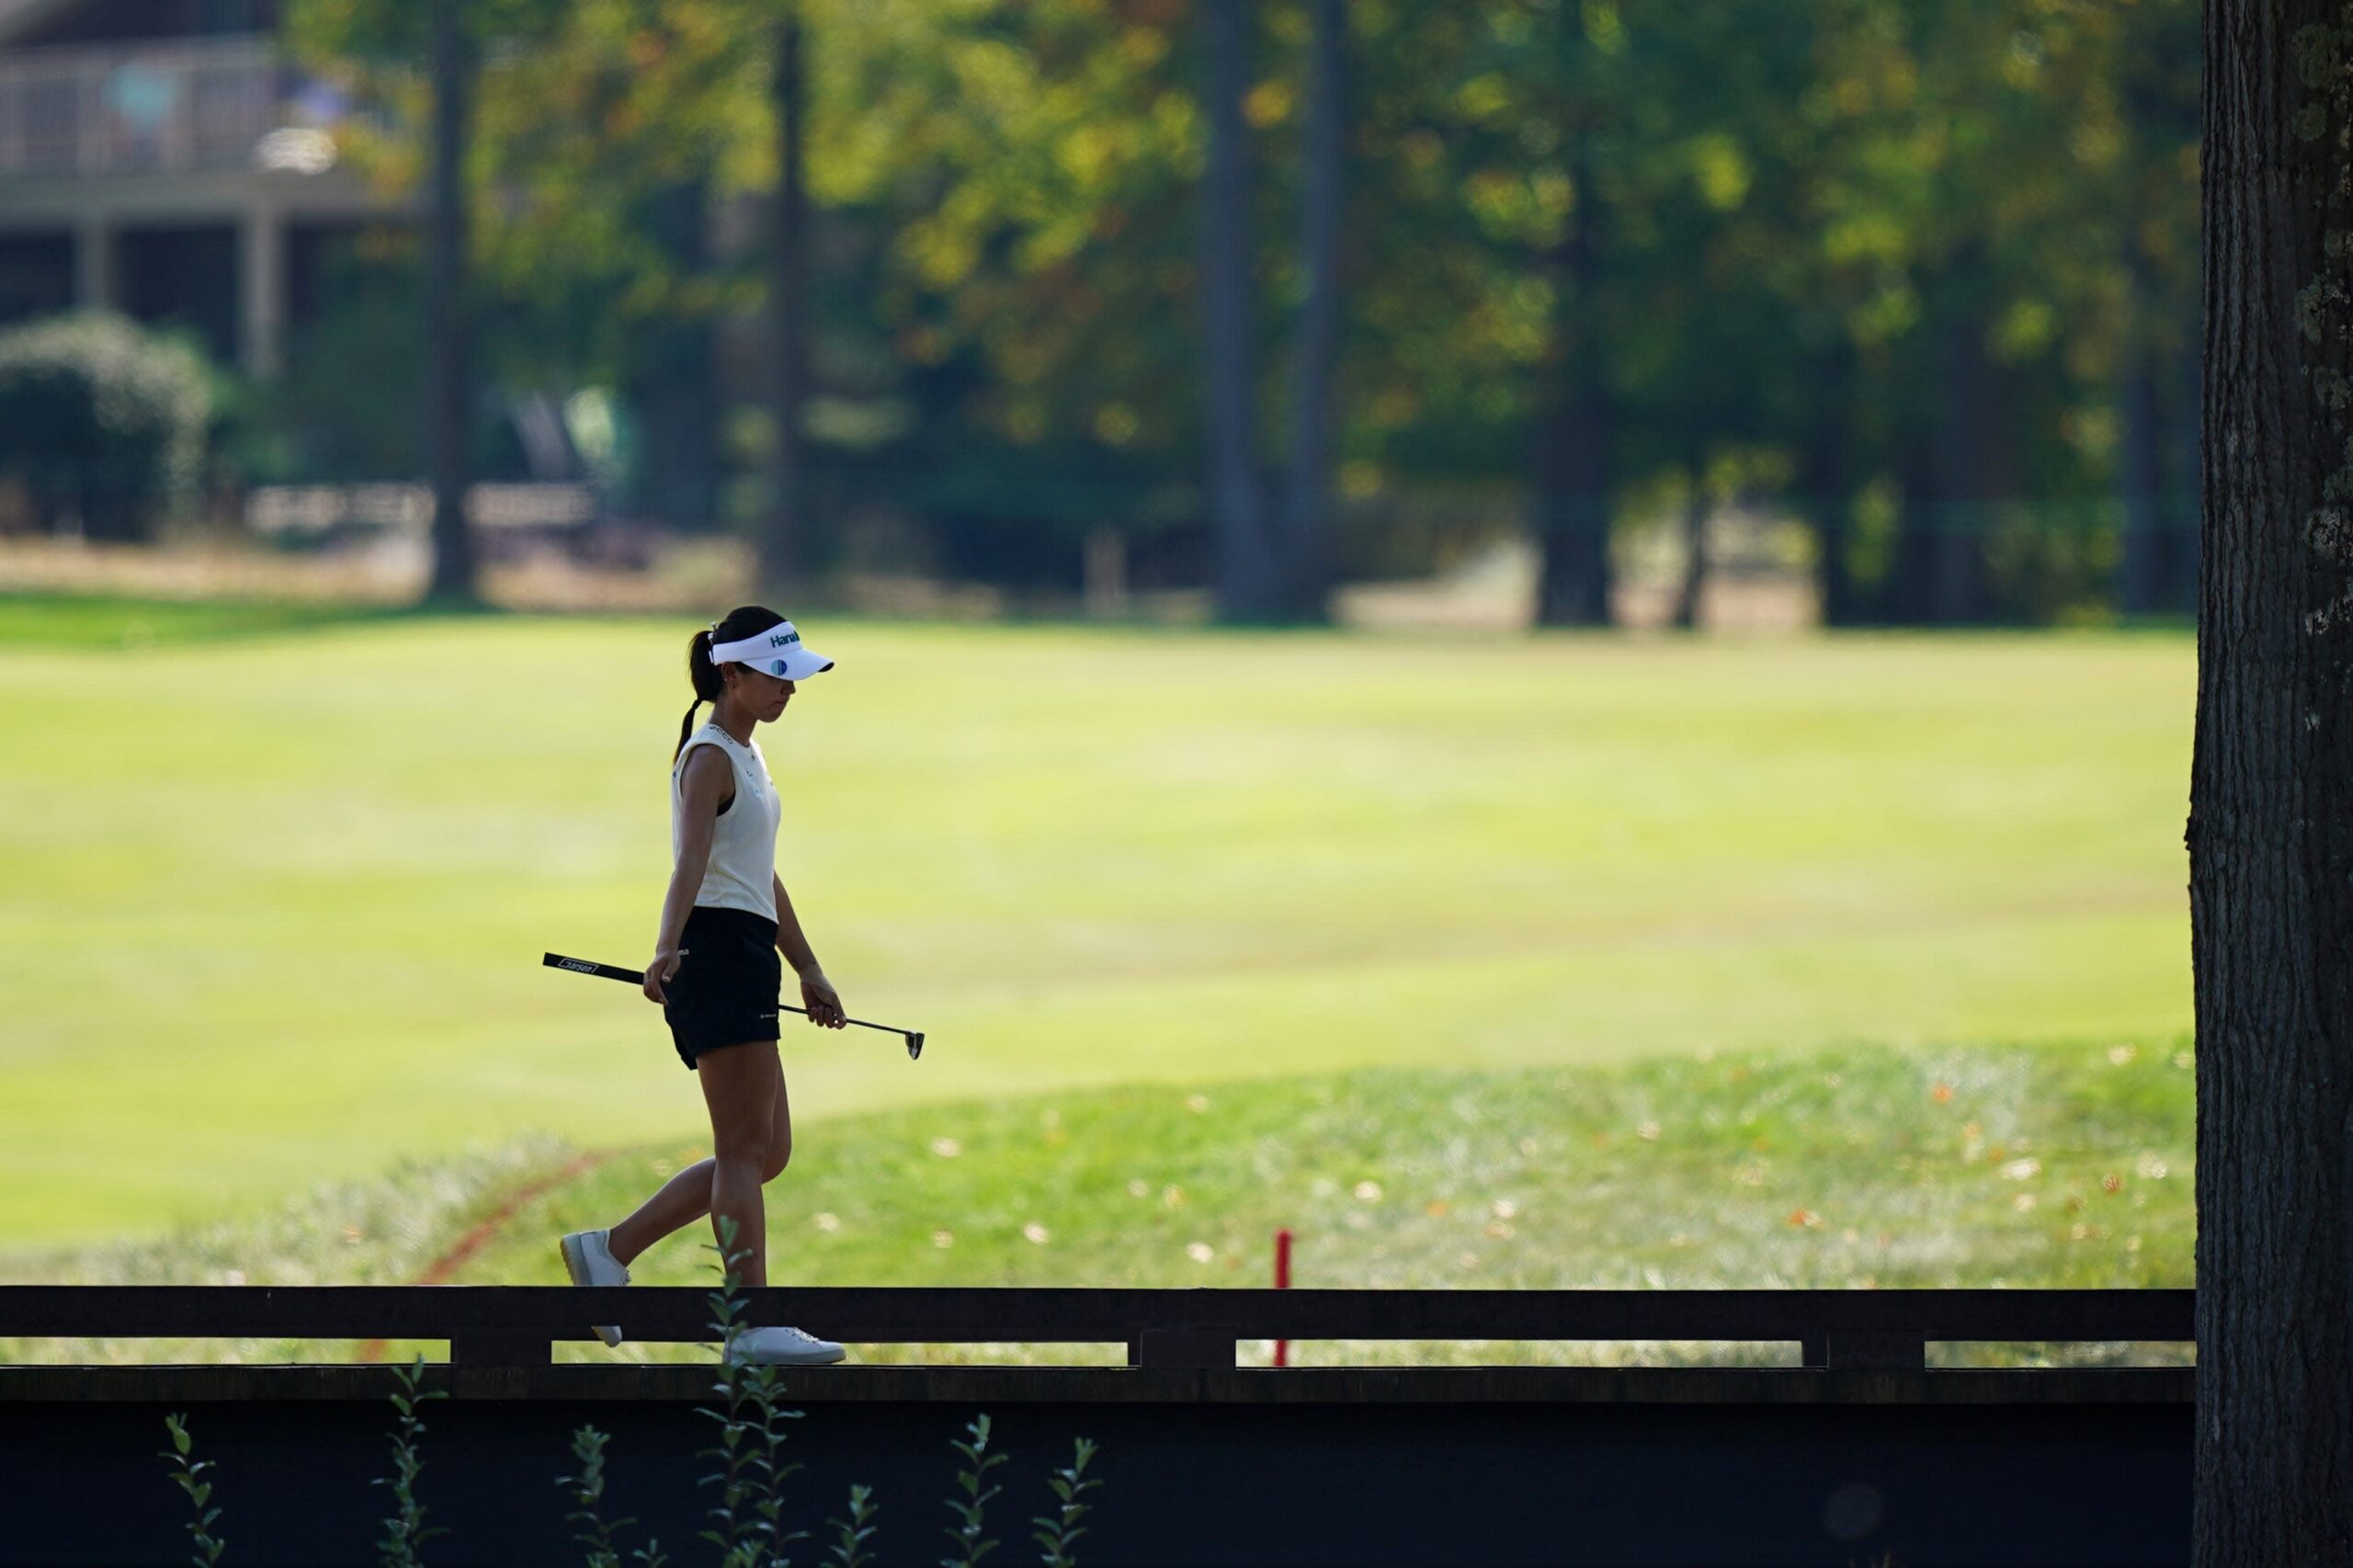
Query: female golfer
[{"x": 715, "y": 970}]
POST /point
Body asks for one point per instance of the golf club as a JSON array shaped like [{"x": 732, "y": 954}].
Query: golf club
[{"x": 637, "y": 977}]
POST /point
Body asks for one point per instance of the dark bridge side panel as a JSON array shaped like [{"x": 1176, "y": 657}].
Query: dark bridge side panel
[{"x": 1360, "y": 1485}]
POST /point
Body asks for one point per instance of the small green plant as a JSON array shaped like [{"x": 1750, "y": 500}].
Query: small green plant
[
  {"x": 764, "y": 1385},
  {"x": 406, "y": 1530},
  {"x": 967, "y": 1533},
  {"x": 1056, "y": 1534},
  {"x": 750, "y": 1532},
  {"x": 185, "y": 1471},
  {"x": 588, "y": 1511},
  {"x": 850, "y": 1535}
]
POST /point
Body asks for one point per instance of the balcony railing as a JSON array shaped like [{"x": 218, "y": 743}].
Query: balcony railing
[{"x": 171, "y": 108}]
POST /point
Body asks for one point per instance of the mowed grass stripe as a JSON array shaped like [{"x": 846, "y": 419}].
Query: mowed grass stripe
[{"x": 276, "y": 905}]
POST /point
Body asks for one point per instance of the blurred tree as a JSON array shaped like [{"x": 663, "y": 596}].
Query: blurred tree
[
  {"x": 1306, "y": 517},
  {"x": 667, "y": 365},
  {"x": 1587, "y": 244},
  {"x": 447, "y": 306},
  {"x": 1808, "y": 226},
  {"x": 334, "y": 427},
  {"x": 787, "y": 254},
  {"x": 1571, "y": 481},
  {"x": 447, "y": 38},
  {"x": 2152, "y": 193},
  {"x": 1032, "y": 174},
  {"x": 1607, "y": 273},
  {"x": 1709, "y": 361},
  {"x": 1461, "y": 204},
  {"x": 1984, "y": 186},
  {"x": 609, "y": 131},
  {"x": 1247, "y": 564},
  {"x": 607, "y": 152}
]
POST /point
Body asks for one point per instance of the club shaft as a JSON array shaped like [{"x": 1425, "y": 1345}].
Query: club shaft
[{"x": 637, "y": 977}]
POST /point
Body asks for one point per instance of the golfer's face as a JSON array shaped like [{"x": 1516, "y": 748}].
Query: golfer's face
[{"x": 765, "y": 693}]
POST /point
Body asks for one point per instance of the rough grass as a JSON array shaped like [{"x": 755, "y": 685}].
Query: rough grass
[{"x": 1857, "y": 1167}]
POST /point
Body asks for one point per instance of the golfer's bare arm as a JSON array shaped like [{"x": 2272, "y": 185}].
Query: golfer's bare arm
[
  {"x": 707, "y": 780},
  {"x": 789, "y": 939},
  {"x": 817, "y": 992}
]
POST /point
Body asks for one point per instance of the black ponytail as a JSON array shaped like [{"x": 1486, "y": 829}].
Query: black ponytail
[{"x": 704, "y": 676}]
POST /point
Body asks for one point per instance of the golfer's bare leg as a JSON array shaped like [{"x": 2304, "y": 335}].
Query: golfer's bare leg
[{"x": 687, "y": 1196}]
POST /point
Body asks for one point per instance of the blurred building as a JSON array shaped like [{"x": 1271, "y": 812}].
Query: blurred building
[{"x": 164, "y": 158}]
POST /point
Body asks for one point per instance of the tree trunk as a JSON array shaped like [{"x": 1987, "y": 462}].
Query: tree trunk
[
  {"x": 1246, "y": 567},
  {"x": 2141, "y": 570},
  {"x": 1572, "y": 464},
  {"x": 1695, "y": 557},
  {"x": 673, "y": 376},
  {"x": 1826, "y": 484},
  {"x": 2186, "y": 482},
  {"x": 2270, "y": 830},
  {"x": 1973, "y": 457},
  {"x": 1908, "y": 598},
  {"x": 784, "y": 541},
  {"x": 449, "y": 381},
  {"x": 1306, "y": 567}
]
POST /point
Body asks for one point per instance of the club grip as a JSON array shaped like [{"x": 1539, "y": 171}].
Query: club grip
[{"x": 590, "y": 966}]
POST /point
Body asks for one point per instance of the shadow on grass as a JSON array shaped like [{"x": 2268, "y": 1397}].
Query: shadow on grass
[{"x": 106, "y": 622}]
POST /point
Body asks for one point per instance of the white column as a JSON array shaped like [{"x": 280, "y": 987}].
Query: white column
[
  {"x": 261, "y": 280},
  {"x": 93, "y": 262}
]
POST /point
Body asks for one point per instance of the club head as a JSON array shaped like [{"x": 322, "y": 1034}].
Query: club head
[{"x": 915, "y": 1044}]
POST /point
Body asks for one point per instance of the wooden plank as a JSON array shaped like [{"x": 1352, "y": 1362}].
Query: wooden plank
[
  {"x": 1869, "y": 1349},
  {"x": 968, "y": 1315},
  {"x": 1191, "y": 1347},
  {"x": 850, "y": 1382},
  {"x": 499, "y": 1348}
]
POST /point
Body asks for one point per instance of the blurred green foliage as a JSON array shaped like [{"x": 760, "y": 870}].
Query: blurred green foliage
[{"x": 1853, "y": 248}]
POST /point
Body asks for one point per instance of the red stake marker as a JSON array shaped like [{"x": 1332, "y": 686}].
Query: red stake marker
[{"x": 1282, "y": 1282}]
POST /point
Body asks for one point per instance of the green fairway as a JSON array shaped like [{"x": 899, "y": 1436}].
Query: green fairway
[
  {"x": 1860, "y": 1167},
  {"x": 273, "y": 905}
]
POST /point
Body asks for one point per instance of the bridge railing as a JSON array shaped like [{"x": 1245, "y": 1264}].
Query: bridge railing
[{"x": 517, "y": 1325}]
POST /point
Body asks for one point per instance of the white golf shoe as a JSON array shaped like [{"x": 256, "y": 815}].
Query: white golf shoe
[
  {"x": 588, "y": 1258},
  {"x": 782, "y": 1346}
]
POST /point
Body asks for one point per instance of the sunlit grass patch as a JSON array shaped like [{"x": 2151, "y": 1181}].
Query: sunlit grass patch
[
  {"x": 1857, "y": 1167},
  {"x": 274, "y": 905}
]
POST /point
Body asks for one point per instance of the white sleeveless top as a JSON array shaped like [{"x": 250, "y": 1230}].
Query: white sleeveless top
[{"x": 741, "y": 871}]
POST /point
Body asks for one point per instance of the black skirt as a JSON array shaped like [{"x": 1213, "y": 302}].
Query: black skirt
[{"x": 726, "y": 987}]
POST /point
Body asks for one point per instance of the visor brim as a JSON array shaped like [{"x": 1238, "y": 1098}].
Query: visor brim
[{"x": 793, "y": 663}]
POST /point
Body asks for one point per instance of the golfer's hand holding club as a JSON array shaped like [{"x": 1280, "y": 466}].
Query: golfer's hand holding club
[
  {"x": 818, "y": 997},
  {"x": 820, "y": 1001},
  {"x": 657, "y": 974}
]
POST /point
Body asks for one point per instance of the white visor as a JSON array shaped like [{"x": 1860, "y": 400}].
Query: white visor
[{"x": 776, "y": 652}]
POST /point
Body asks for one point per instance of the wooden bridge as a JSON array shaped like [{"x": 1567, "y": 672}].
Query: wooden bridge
[{"x": 1858, "y": 1452}]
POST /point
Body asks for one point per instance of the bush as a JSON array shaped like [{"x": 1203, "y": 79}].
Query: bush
[{"x": 102, "y": 421}]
